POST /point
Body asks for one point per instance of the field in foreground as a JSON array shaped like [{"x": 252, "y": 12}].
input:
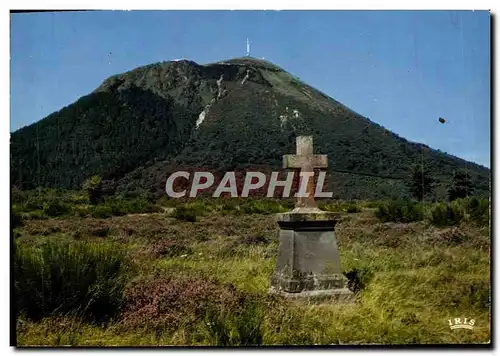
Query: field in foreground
[{"x": 154, "y": 279}]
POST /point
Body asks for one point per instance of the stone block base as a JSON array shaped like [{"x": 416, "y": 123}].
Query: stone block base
[{"x": 337, "y": 296}]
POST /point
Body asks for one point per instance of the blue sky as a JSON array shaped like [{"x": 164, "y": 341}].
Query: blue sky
[{"x": 401, "y": 69}]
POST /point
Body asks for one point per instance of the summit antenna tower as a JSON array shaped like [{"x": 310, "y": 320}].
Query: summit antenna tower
[{"x": 248, "y": 48}]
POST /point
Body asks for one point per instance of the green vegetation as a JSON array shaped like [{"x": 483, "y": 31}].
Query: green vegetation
[
  {"x": 186, "y": 213},
  {"x": 154, "y": 279},
  {"x": 471, "y": 210},
  {"x": 93, "y": 187},
  {"x": 461, "y": 186},
  {"x": 106, "y": 133},
  {"x": 52, "y": 203},
  {"x": 240, "y": 328},
  {"x": 61, "y": 278},
  {"x": 442, "y": 214},
  {"x": 478, "y": 210},
  {"x": 140, "y": 126},
  {"x": 420, "y": 182},
  {"x": 400, "y": 211},
  {"x": 340, "y": 206}
]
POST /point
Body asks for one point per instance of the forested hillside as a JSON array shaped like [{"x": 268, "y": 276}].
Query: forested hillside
[{"x": 139, "y": 126}]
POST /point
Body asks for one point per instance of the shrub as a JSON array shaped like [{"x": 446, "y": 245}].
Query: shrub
[
  {"x": 442, "y": 214},
  {"x": 478, "y": 210},
  {"x": 119, "y": 207},
  {"x": 102, "y": 211},
  {"x": 287, "y": 204},
  {"x": 339, "y": 206},
  {"x": 79, "y": 199},
  {"x": 333, "y": 207},
  {"x": 461, "y": 186},
  {"x": 420, "y": 182},
  {"x": 372, "y": 204},
  {"x": 399, "y": 211},
  {"x": 34, "y": 215},
  {"x": 185, "y": 213},
  {"x": 27, "y": 201},
  {"x": 353, "y": 208},
  {"x": 93, "y": 187},
  {"x": 165, "y": 303},
  {"x": 61, "y": 278},
  {"x": 230, "y": 205},
  {"x": 55, "y": 208}
]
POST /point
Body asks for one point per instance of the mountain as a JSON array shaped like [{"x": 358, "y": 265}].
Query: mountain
[{"x": 238, "y": 114}]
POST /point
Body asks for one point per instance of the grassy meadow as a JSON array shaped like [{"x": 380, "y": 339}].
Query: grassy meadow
[{"x": 147, "y": 273}]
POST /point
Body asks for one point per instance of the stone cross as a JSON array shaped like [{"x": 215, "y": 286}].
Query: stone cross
[
  {"x": 305, "y": 161},
  {"x": 308, "y": 261}
]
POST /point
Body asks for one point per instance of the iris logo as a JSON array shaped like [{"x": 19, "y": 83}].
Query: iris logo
[{"x": 459, "y": 323}]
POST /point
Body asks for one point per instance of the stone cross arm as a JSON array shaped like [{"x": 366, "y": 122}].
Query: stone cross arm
[
  {"x": 301, "y": 162},
  {"x": 305, "y": 159}
]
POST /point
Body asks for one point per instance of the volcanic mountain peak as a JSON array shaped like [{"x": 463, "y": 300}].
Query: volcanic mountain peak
[
  {"x": 250, "y": 62},
  {"x": 138, "y": 126},
  {"x": 190, "y": 83},
  {"x": 184, "y": 70}
]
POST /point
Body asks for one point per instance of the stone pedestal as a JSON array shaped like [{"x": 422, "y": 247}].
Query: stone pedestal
[{"x": 308, "y": 263}]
